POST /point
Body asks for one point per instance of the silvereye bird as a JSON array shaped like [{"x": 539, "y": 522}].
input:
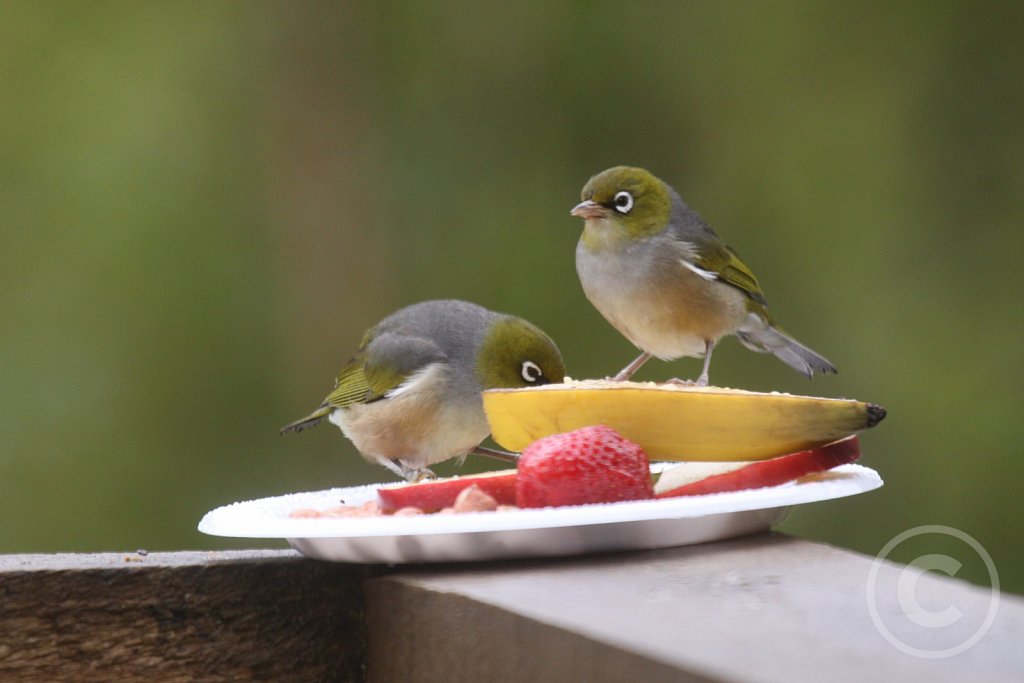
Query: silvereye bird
[
  {"x": 662, "y": 277},
  {"x": 410, "y": 396}
]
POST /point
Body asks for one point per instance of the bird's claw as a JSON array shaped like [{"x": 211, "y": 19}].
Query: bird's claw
[
  {"x": 416, "y": 476},
  {"x": 701, "y": 381},
  {"x": 412, "y": 475}
]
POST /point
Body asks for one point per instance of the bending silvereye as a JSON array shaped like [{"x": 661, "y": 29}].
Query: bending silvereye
[
  {"x": 662, "y": 277},
  {"x": 410, "y": 396}
]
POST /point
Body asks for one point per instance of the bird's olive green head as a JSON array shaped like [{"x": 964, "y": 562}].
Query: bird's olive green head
[
  {"x": 625, "y": 201},
  {"x": 516, "y": 354}
]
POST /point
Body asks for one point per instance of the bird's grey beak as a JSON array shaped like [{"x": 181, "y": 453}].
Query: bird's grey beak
[{"x": 589, "y": 209}]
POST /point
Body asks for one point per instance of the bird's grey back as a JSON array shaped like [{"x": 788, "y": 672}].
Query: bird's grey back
[
  {"x": 685, "y": 223},
  {"x": 456, "y": 327}
]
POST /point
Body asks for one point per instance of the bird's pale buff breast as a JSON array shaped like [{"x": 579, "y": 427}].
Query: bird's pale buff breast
[
  {"x": 645, "y": 292},
  {"x": 420, "y": 425}
]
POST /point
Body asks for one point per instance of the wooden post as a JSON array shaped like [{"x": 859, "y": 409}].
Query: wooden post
[{"x": 225, "y": 616}]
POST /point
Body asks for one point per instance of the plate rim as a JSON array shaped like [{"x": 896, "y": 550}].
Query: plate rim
[{"x": 854, "y": 479}]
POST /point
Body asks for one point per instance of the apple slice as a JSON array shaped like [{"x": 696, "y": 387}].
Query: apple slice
[
  {"x": 699, "y": 478},
  {"x": 692, "y": 471},
  {"x": 431, "y": 496}
]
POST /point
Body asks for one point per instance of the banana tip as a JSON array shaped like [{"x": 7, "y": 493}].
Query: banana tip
[{"x": 876, "y": 414}]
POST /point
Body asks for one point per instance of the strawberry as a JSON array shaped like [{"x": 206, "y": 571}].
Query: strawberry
[{"x": 590, "y": 465}]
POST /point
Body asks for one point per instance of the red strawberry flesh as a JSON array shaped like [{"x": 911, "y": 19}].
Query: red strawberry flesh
[{"x": 590, "y": 465}]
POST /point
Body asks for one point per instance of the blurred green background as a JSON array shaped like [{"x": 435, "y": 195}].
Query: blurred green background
[{"x": 204, "y": 204}]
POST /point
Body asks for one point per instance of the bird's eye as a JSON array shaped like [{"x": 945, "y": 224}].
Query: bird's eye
[
  {"x": 623, "y": 202},
  {"x": 530, "y": 371}
]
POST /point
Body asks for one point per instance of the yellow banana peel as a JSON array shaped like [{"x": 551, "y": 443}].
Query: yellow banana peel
[{"x": 678, "y": 422}]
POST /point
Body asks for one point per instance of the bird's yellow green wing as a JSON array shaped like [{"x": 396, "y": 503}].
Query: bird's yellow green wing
[
  {"x": 380, "y": 367},
  {"x": 730, "y": 268},
  {"x": 351, "y": 387}
]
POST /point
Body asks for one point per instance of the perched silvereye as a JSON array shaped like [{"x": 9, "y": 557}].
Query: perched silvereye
[
  {"x": 662, "y": 277},
  {"x": 410, "y": 396}
]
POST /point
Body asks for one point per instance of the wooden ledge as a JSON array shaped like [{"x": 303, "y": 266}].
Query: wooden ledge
[{"x": 762, "y": 608}]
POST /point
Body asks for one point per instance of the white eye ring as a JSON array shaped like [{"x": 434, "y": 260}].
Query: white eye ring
[
  {"x": 530, "y": 371},
  {"x": 623, "y": 202}
]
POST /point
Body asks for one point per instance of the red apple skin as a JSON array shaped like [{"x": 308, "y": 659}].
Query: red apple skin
[
  {"x": 431, "y": 496},
  {"x": 775, "y": 471}
]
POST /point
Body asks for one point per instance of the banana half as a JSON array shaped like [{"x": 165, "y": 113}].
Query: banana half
[{"x": 678, "y": 422}]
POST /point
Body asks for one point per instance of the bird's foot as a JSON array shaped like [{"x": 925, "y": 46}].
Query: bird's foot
[
  {"x": 422, "y": 474},
  {"x": 628, "y": 371},
  {"x": 412, "y": 475},
  {"x": 701, "y": 381}
]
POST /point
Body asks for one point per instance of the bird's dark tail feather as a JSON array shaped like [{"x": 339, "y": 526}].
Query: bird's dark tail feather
[
  {"x": 788, "y": 350},
  {"x": 311, "y": 420}
]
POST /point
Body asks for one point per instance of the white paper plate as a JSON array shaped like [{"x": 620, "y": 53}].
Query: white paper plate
[{"x": 632, "y": 525}]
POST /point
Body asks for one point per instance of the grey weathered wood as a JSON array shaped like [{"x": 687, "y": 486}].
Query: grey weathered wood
[
  {"x": 225, "y": 616},
  {"x": 762, "y": 608}
]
